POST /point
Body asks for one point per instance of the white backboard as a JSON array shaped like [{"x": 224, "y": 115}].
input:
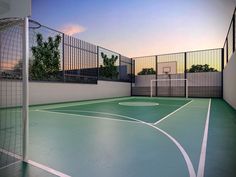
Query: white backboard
[
  {"x": 15, "y": 8},
  {"x": 167, "y": 67}
]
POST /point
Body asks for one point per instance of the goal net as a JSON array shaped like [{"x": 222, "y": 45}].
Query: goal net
[{"x": 169, "y": 87}]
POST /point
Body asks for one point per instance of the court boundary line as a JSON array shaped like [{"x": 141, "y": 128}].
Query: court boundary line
[
  {"x": 172, "y": 139},
  {"x": 48, "y": 169},
  {"x": 202, "y": 160},
  {"x": 10, "y": 164},
  {"x": 85, "y": 102},
  {"x": 157, "y": 122},
  {"x": 92, "y": 117},
  {"x": 33, "y": 163}
]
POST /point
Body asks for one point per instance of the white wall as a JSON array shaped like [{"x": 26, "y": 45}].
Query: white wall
[
  {"x": 46, "y": 92},
  {"x": 230, "y": 82}
]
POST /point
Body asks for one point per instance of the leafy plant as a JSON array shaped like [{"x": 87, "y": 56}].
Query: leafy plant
[
  {"x": 108, "y": 69},
  {"x": 46, "y": 58},
  {"x": 201, "y": 68},
  {"x": 147, "y": 71}
]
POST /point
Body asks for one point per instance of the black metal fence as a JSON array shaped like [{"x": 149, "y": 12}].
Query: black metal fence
[
  {"x": 201, "y": 69},
  {"x": 79, "y": 61},
  {"x": 230, "y": 42}
]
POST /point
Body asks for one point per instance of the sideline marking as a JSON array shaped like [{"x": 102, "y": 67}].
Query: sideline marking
[
  {"x": 137, "y": 104},
  {"x": 11, "y": 154},
  {"x": 201, "y": 165},
  {"x": 10, "y": 165},
  {"x": 48, "y": 169},
  {"x": 80, "y": 115},
  {"x": 85, "y": 102},
  {"x": 157, "y": 122},
  {"x": 181, "y": 149},
  {"x": 31, "y": 162}
]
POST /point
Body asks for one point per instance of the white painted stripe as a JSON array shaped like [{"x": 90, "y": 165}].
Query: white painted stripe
[
  {"x": 48, "y": 169},
  {"x": 80, "y": 115},
  {"x": 10, "y": 154},
  {"x": 163, "y": 98},
  {"x": 181, "y": 149},
  {"x": 84, "y": 103},
  {"x": 201, "y": 165},
  {"x": 38, "y": 165},
  {"x": 157, "y": 122},
  {"x": 10, "y": 165}
]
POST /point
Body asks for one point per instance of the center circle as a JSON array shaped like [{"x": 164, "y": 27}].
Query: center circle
[{"x": 138, "y": 104}]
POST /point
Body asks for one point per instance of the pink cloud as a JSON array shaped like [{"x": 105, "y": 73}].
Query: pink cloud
[{"x": 72, "y": 29}]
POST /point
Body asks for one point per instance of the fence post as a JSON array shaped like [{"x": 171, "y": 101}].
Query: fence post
[
  {"x": 63, "y": 57},
  {"x": 227, "y": 50},
  {"x": 185, "y": 73},
  {"x": 119, "y": 76},
  {"x": 222, "y": 72},
  {"x": 156, "y": 74},
  {"x": 131, "y": 78},
  {"x": 97, "y": 63},
  {"x": 234, "y": 33}
]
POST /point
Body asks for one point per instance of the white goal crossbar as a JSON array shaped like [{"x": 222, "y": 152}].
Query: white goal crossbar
[{"x": 162, "y": 80}]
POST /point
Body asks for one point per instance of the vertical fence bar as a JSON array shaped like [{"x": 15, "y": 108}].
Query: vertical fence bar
[
  {"x": 131, "y": 78},
  {"x": 25, "y": 116},
  {"x": 227, "y": 50},
  {"x": 97, "y": 62},
  {"x": 185, "y": 73},
  {"x": 222, "y": 71},
  {"x": 119, "y": 76},
  {"x": 156, "y": 74},
  {"x": 234, "y": 33},
  {"x": 63, "y": 56}
]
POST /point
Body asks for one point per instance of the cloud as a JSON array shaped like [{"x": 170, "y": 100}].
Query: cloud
[{"x": 72, "y": 29}]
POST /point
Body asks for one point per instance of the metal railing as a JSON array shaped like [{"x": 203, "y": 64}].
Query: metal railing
[{"x": 80, "y": 61}]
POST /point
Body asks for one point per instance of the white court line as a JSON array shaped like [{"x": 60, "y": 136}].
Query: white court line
[
  {"x": 38, "y": 165},
  {"x": 10, "y": 165},
  {"x": 86, "y": 102},
  {"x": 48, "y": 169},
  {"x": 163, "y": 98},
  {"x": 201, "y": 165},
  {"x": 80, "y": 115},
  {"x": 10, "y": 154},
  {"x": 157, "y": 122},
  {"x": 181, "y": 149}
]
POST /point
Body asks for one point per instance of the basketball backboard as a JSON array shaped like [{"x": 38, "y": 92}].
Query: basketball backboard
[
  {"x": 167, "y": 67},
  {"x": 15, "y": 8}
]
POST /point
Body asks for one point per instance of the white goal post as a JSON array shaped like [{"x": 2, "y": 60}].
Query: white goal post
[{"x": 164, "y": 80}]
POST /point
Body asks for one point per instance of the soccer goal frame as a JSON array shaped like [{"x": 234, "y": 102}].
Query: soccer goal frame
[{"x": 162, "y": 80}]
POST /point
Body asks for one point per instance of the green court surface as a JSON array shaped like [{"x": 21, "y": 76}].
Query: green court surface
[{"x": 134, "y": 137}]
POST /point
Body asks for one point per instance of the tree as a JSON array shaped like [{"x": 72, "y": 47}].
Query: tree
[
  {"x": 108, "y": 69},
  {"x": 147, "y": 71},
  {"x": 201, "y": 68},
  {"x": 46, "y": 58}
]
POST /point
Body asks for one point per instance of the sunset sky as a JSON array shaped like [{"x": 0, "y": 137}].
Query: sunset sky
[{"x": 140, "y": 27}]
